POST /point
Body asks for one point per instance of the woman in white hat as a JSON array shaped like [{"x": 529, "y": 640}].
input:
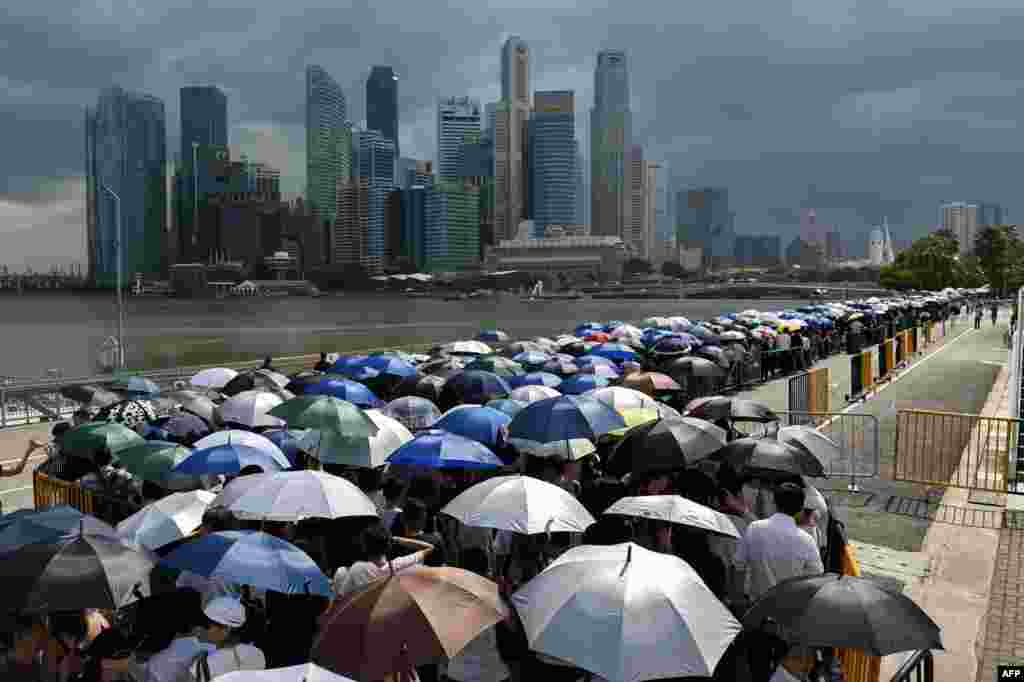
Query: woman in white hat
[{"x": 224, "y": 615}]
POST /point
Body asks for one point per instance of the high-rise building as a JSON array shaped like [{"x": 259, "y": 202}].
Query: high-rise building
[
  {"x": 413, "y": 223},
  {"x": 511, "y": 138},
  {"x": 990, "y": 213},
  {"x": 126, "y": 155},
  {"x": 665, "y": 230},
  {"x": 754, "y": 250},
  {"x": 834, "y": 245},
  {"x": 413, "y": 172},
  {"x": 204, "y": 119},
  {"x": 610, "y": 134},
  {"x": 582, "y": 198},
  {"x": 650, "y": 192},
  {"x": 382, "y": 103},
  {"x": 703, "y": 220},
  {"x": 451, "y": 235},
  {"x": 961, "y": 218},
  {"x": 348, "y": 236},
  {"x": 633, "y": 216},
  {"x": 552, "y": 159},
  {"x": 487, "y": 130},
  {"x": 455, "y": 117},
  {"x": 326, "y": 113},
  {"x": 374, "y": 163}
]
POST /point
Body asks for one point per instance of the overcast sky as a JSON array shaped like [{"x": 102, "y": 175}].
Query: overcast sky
[{"x": 859, "y": 109}]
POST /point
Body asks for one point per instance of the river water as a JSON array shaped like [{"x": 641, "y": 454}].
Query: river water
[{"x": 42, "y": 331}]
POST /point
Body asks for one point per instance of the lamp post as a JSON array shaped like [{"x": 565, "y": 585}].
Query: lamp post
[{"x": 120, "y": 291}]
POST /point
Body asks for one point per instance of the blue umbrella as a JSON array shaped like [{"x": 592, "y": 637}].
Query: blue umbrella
[
  {"x": 183, "y": 427},
  {"x": 650, "y": 336},
  {"x": 251, "y": 558},
  {"x": 483, "y": 424},
  {"x": 137, "y": 386},
  {"x": 560, "y": 367},
  {"x": 587, "y": 360},
  {"x": 616, "y": 351},
  {"x": 358, "y": 373},
  {"x": 230, "y": 458},
  {"x": 472, "y": 386},
  {"x": 531, "y": 358},
  {"x": 587, "y": 327},
  {"x": 344, "y": 389},
  {"x": 673, "y": 345},
  {"x": 536, "y": 379},
  {"x": 566, "y": 417},
  {"x": 389, "y": 364},
  {"x": 287, "y": 440},
  {"x": 26, "y": 527},
  {"x": 581, "y": 383},
  {"x": 612, "y": 325},
  {"x": 492, "y": 336},
  {"x": 439, "y": 449},
  {"x": 507, "y": 405},
  {"x": 348, "y": 362}
]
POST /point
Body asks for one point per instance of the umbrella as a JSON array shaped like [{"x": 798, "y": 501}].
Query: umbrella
[
  {"x": 496, "y": 364},
  {"x": 564, "y": 418},
  {"x": 634, "y": 416},
  {"x": 87, "y": 439},
  {"x": 195, "y": 403},
  {"x": 770, "y": 455},
  {"x": 251, "y": 409},
  {"x": 240, "y": 437},
  {"x": 360, "y": 373},
  {"x": 344, "y": 389},
  {"x": 428, "y": 387},
  {"x": 847, "y": 612},
  {"x": 531, "y": 358},
  {"x": 307, "y": 672},
  {"x": 492, "y": 336},
  {"x": 183, "y": 427},
  {"x": 715, "y": 354},
  {"x": 598, "y": 370},
  {"x": 48, "y": 525},
  {"x": 389, "y": 365},
  {"x": 213, "y": 377},
  {"x": 362, "y": 451},
  {"x": 650, "y": 382},
  {"x": 733, "y": 335},
  {"x": 325, "y": 413},
  {"x": 472, "y": 386},
  {"x": 520, "y": 347},
  {"x": 131, "y": 413},
  {"x": 657, "y": 322},
  {"x": 571, "y": 450},
  {"x": 75, "y": 571},
  {"x": 664, "y": 445},
  {"x": 588, "y": 360},
  {"x": 260, "y": 379},
  {"x": 90, "y": 396},
  {"x": 509, "y": 406},
  {"x": 410, "y": 618},
  {"x": 483, "y": 424},
  {"x": 615, "y": 351},
  {"x": 298, "y": 382},
  {"x": 533, "y": 393},
  {"x": 291, "y": 496},
  {"x": 413, "y": 412},
  {"x": 467, "y": 348},
  {"x": 287, "y": 440},
  {"x": 671, "y": 346},
  {"x": 645, "y": 615},
  {"x": 816, "y": 443},
  {"x": 718, "y": 407},
  {"x": 167, "y": 520},
  {"x": 250, "y": 558},
  {"x": 439, "y": 449},
  {"x": 675, "y": 509},
  {"x": 597, "y": 337},
  {"x": 560, "y": 367},
  {"x": 230, "y": 458},
  {"x": 581, "y": 383},
  {"x": 137, "y": 386},
  {"x": 155, "y": 461},
  {"x": 442, "y": 365},
  {"x": 587, "y": 327},
  {"x": 521, "y": 504},
  {"x": 537, "y": 379}
]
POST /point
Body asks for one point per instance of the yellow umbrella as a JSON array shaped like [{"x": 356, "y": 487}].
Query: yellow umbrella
[{"x": 635, "y": 416}]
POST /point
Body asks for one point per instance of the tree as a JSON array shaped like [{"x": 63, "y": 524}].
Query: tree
[
  {"x": 994, "y": 246},
  {"x": 931, "y": 263}
]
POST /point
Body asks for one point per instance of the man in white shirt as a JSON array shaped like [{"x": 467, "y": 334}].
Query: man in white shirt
[
  {"x": 225, "y": 615},
  {"x": 775, "y": 548}
]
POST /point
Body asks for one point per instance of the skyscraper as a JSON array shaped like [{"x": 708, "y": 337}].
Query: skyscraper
[
  {"x": 326, "y": 111},
  {"x": 634, "y": 222},
  {"x": 582, "y": 199},
  {"x": 374, "y": 172},
  {"x": 703, "y": 219},
  {"x": 610, "y": 134},
  {"x": 456, "y": 116},
  {"x": 650, "y": 193},
  {"x": 382, "y": 103},
  {"x": 552, "y": 159},
  {"x": 510, "y": 138},
  {"x": 961, "y": 218},
  {"x": 126, "y": 154},
  {"x": 204, "y": 118}
]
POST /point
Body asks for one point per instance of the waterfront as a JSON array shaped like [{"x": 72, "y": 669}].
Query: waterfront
[{"x": 57, "y": 331}]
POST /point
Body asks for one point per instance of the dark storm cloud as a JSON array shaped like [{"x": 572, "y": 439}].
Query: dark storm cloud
[{"x": 885, "y": 108}]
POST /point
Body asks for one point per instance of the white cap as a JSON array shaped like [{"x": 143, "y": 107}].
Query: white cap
[{"x": 225, "y": 610}]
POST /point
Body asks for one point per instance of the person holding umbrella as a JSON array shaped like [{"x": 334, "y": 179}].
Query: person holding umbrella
[
  {"x": 377, "y": 543},
  {"x": 222, "y": 617}
]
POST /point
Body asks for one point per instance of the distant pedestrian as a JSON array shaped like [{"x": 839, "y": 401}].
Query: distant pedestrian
[
  {"x": 995, "y": 313},
  {"x": 322, "y": 365},
  {"x": 977, "y": 317}
]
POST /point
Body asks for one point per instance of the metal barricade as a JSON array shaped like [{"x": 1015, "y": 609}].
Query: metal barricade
[
  {"x": 856, "y": 435},
  {"x": 47, "y": 492},
  {"x": 955, "y": 450},
  {"x": 809, "y": 391},
  {"x": 919, "y": 668},
  {"x": 886, "y": 359},
  {"x": 862, "y": 374}
]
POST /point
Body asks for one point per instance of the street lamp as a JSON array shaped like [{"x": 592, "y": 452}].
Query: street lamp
[{"x": 120, "y": 292}]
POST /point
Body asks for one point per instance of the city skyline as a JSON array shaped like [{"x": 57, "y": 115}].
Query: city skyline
[{"x": 790, "y": 129}]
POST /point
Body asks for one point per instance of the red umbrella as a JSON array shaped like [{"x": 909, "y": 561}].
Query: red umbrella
[{"x": 599, "y": 337}]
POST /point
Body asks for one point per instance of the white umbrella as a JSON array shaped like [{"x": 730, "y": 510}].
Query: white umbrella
[
  {"x": 679, "y": 324},
  {"x": 165, "y": 521},
  {"x": 370, "y": 452},
  {"x": 240, "y": 437},
  {"x": 521, "y": 504},
  {"x": 814, "y": 441},
  {"x": 675, "y": 509},
  {"x": 626, "y": 330},
  {"x": 214, "y": 377},
  {"x": 625, "y": 613},
  {"x": 249, "y": 408},
  {"x": 289, "y": 496},
  {"x": 533, "y": 393},
  {"x": 307, "y": 672},
  {"x": 467, "y": 348},
  {"x": 621, "y": 398},
  {"x": 572, "y": 449}
]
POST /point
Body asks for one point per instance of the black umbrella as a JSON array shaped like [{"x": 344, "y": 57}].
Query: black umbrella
[
  {"x": 576, "y": 348},
  {"x": 475, "y": 387},
  {"x": 846, "y": 612},
  {"x": 715, "y": 354},
  {"x": 441, "y": 365},
  {"x": 257, "y": 380},
  {"x": 770, "y": 456},
  {"x": 718, "y": 407},
  {"x": 428, "y": 387},
  {"x": 664, "y": 445},
  {"x": 692, "y": 366},
  {"x": 90, "y": 395},
  {"x": 48, "y": 525},
  {"x": 195, "y": 403},
  {"x": 73, "y": 572},
  {"x": 184, "y": 427}
]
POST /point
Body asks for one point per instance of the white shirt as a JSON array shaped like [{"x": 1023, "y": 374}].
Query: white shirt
[
  {"x": 172, "y": 662},
  {"x": 480, "y": 660},
  {"x": 782, "y": 341},
  {"x": 362, "y": 573},
  {"x": 775, "y": 549},
  {"x": 231, "y": 659}
]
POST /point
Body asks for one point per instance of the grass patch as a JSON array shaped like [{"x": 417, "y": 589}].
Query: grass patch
[{"x": 902, "y": 533}]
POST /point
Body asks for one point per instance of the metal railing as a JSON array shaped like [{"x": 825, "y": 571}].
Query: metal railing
[
  {"x": 47, "y": 492},
  {"x": 957, "y": 450},
  {"x": 919, "y": 668},
  {"x": 856, "y": 435},
  {"x": 809, "y": 392}
]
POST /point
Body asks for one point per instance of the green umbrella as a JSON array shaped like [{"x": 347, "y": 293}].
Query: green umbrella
[
  {"x": 154, "y": 461},
  {"x": 88, "y": 438},
  {"x": 325, "y": 414},
  {"x": 499, "y": 365}
]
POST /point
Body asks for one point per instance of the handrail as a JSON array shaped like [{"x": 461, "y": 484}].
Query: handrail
[{"x": 918, "y": 668}]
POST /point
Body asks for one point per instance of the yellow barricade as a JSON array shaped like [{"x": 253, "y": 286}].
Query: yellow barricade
[{"x": 47, "y": 492}]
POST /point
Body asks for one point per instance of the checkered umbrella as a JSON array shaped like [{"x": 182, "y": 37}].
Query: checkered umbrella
[{"x": 413, "y": 412}]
